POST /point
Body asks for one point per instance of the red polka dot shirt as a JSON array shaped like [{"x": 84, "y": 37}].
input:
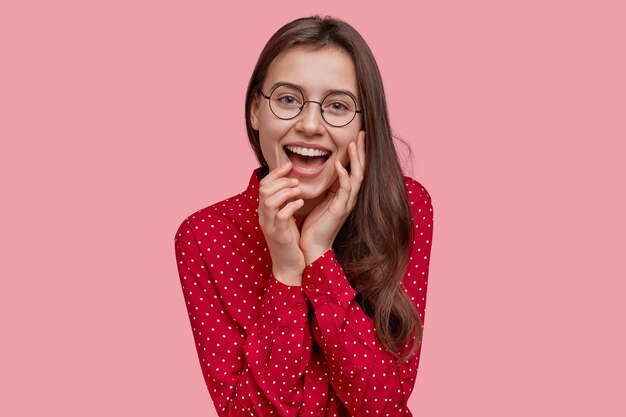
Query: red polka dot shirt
[{"x": 267, "y": 348}]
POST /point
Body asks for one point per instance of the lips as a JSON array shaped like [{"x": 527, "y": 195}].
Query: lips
[{"x": 307, "y": 160}]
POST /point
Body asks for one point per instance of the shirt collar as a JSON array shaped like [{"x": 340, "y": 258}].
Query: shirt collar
[{"x": 252, "y": 192}]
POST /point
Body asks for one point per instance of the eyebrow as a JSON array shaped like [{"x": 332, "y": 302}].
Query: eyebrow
[{"x": 348, "y": 92}]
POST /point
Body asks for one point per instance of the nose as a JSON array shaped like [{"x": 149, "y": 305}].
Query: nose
[{"x": 310, "y": 119}]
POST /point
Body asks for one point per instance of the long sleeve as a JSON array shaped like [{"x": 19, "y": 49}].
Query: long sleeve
[
  {"x": 362, "y": 372},
  {"x": 251, "y": 331}
]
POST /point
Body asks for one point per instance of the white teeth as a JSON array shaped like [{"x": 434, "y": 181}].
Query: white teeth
[{"x": 307, "y": 151}]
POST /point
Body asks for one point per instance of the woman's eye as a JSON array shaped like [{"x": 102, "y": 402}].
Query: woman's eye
[
  {"x": 337, "y": 106},
  {"x": 288, "y": 100}
]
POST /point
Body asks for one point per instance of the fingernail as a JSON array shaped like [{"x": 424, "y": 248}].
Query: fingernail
[{"x": 286, "y": 164}]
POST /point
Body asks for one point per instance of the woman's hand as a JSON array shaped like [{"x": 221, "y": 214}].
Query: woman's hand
[
  {"x": 323, "y": 223},
  {"x": 276, "y": 218}
]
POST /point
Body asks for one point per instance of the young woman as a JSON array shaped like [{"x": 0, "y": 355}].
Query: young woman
[{"x": 306, "y": 292}]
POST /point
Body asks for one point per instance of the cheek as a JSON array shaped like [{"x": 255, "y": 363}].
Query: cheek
[
  {"x": 268, "y": 150},
  {"x": 270, "y": 135},
  {"x": 343, "y": 143},
  {"x": 344, "y": 157}
]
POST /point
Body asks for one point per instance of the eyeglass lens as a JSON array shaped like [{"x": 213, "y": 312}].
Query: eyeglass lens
[{"x": 338, "y": 109}]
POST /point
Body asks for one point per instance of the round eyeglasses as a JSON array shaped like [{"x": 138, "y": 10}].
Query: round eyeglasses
[{"x": 287, "y": 102}]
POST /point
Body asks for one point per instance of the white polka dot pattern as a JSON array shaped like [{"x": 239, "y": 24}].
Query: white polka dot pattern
[{"x": 266, "y": 348}]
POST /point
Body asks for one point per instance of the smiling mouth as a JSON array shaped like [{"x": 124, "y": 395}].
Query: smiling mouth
[{"x": 306, "y": 159}]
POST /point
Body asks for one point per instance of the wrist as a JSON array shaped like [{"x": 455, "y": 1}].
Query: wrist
[
  {"x": 288, "y": 277},
  {"x": 315, "y": 252}
]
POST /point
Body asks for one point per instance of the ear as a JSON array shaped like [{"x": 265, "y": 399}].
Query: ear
[{"x": 254, "y": 111}]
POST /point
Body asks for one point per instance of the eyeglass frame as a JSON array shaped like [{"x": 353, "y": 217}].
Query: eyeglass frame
[{"x": 304, "y": 102}]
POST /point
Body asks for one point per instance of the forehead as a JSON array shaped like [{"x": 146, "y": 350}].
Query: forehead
[{"x": 314, "y": 70}]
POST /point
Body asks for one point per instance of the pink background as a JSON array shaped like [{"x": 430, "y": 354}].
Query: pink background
[{"x": 120, "y": 118}]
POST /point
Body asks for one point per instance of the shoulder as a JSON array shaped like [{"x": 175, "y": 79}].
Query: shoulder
[
  {"x": 420, "y": 203},
  {"x": 416, "y": 192},
  {"x": 221, "y": 219}
]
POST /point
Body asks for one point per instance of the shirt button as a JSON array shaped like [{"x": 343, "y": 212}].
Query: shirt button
[
  {"x": 310, "y": 287},
  {"x": 300, "y": 306}
]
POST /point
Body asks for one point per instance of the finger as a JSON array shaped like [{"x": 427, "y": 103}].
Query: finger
[
  {"x": 273, "y": 203},
  {"x": 279, "y": 171},
  {"x": 356, "y": 173},
  {"x": 285, "y": 215},
  {"x": 356, "y": 167},
  {"x": 361, "y": 148},
  {"x": 273, "y": 187},
  {"x": 343, "y": 193}
]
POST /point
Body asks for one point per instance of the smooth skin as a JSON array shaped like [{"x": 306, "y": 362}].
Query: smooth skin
[{"x": 301, "y": 216}]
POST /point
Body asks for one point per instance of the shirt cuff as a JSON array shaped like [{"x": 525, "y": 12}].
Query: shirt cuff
[
  {"x": 284, "y": 304},
  {"x": 324, "y": 281}
]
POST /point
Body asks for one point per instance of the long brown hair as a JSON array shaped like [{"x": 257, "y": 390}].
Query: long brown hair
[{"x": 372, "y": 246}]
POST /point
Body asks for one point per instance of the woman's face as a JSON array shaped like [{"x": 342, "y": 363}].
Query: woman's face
[{"x": 316, "y": 73}]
